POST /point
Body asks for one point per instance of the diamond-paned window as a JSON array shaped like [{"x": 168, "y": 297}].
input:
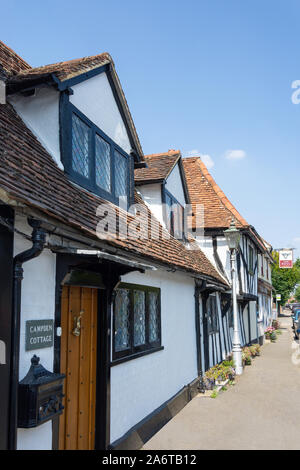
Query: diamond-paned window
[
  {"x": 120, "y": 174},
  {"x": 139, "y": 317},
  {"x": 153, "y": 307},
  {"x": 80, "y": 146},
  {"x": 174, "y": 215},
  {"x": 122, "y": 320},
  {"x": 136, "y": 320},
  {"x": 102, "y": 163},
  {"x": 93, "y": 160}
]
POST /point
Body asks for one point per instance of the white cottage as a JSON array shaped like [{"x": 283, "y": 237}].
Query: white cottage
[{"x": 114, "y": 312}]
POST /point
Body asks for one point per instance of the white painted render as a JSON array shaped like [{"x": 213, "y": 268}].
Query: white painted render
[
  {"x": 174, "y": 185},
  {"x": 41, "y": 115},
  {"x": 95, "y": 99},
  {"x": 151, "y": 194},
  {"x": 140, "y": 386},
  {"x": 37, "y": 303},
  {"x": 205, "y": 243}
]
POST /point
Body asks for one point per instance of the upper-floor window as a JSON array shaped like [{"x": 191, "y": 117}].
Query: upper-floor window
[
  {"x": 92, "y": 159},
  {"x": 251, "y": 260},
  {"x": 174, "y": 215}
]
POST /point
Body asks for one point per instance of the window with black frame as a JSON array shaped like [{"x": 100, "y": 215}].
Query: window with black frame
[
  {"x": 174, "y": 216},
  {"x": 137, "y": 320},
  {"x": 93, "y": 160},
  {"x": 212, "y": 315},
  {"x": 251, "y": 260}
]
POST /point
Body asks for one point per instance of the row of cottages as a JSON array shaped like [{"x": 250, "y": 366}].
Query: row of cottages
[
  {"x": 100, "y": 280},
  {"x": 84, "y": 292},
  {"x": 265, "y": 289},
  {"x": 174, "y": 181}
]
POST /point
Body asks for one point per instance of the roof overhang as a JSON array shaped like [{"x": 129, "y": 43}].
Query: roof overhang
[{"x": 101, "y": 255}]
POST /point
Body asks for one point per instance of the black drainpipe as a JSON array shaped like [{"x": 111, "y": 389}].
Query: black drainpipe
[{"x": 38, "y": 238}]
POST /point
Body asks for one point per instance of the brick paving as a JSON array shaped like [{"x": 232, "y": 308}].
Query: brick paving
[{"x": 262, "y": 411}]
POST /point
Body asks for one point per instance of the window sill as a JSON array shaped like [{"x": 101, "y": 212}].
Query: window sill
[{"x": 135, "y": 356}]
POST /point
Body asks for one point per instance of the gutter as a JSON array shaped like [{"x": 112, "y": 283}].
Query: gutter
[{"x": 38, "y": 238}]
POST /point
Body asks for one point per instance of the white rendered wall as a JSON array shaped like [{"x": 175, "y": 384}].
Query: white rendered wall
[
  {"x": 151, "y": 194},
  {"x": 95, "y": 99},
  {"x": 41, "y": 115},
  {"x": 37, "y": 303},
  {"x": 205, "y": 243},
  {"x": 253, "y": 320},
  {"x": 174, "y": 185},
  {"x": 140, "y": 386}
]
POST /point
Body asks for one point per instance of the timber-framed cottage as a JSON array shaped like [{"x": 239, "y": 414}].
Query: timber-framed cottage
[{"x": 121, "y": 309}]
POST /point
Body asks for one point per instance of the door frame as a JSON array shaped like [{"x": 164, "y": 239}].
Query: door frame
[
  {"x": 102, "y": 418},
  {"x": 110, "y": 276}
]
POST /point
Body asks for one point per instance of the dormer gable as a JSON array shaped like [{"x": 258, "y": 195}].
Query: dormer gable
[
  {"x": 78, "y": 111},
  {"x": 163, "y": 187}
]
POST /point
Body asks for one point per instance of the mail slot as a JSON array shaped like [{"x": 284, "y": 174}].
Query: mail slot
[{"x": 40, "y": 396}]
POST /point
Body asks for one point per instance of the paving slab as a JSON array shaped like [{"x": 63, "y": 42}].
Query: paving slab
[{"x": 262, "y": 411}]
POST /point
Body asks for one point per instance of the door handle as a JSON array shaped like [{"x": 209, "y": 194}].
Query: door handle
[{"x": 77, "y": 321}]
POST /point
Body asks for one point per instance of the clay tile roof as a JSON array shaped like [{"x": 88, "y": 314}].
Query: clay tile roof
[
  {"x": 10, "y": 61},
  {"x": 68, "y": 69},
  {"x": 159, "y": 166},
  {"x": 29, "y": 175},
  {"x": 218, "y": 210}
]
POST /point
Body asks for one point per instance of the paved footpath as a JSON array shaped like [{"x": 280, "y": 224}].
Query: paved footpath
[{"x": 262, "y": 411}]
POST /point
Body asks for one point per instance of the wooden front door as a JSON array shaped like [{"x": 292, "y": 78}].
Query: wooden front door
[{"x": 78, "y": 363}]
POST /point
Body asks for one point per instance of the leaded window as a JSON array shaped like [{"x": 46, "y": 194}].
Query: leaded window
[
  {"x": 212, "y": 314},
  {"x": 136, "y": 320},
  {"x": 251, "y": 260},
  {"x": 92, "y": 159},
  {"x": 102, "y": 163},
  {"x": 80, "y": 146},
  {"x": 120, "y": 174},
  {"x": 174, "y": 214},
  {"x": 139, "y": 319},
  {"x": 122, "y": 320},
  {"x": 153, "y": 316}
]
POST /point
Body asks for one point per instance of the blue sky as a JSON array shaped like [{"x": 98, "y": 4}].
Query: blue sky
[{"x": 207, "y": 76}]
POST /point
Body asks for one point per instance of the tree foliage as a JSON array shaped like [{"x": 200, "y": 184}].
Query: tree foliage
[
  {"x": 297, "y": 294},
  {"x": 285, "y": 280}
]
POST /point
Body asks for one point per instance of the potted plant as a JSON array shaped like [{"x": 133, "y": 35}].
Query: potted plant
[
  {"x": 273, "y": 337},
  {"x": 246, "y": 356},
  {"x": 269, "y": 331},
  {"x": 209, "y": 380}
]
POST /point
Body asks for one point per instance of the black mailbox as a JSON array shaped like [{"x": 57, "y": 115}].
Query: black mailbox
[{"x": 40, "y": 395}]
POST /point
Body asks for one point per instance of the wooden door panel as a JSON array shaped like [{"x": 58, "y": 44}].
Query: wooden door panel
[{"x": 78, "y": 362}]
